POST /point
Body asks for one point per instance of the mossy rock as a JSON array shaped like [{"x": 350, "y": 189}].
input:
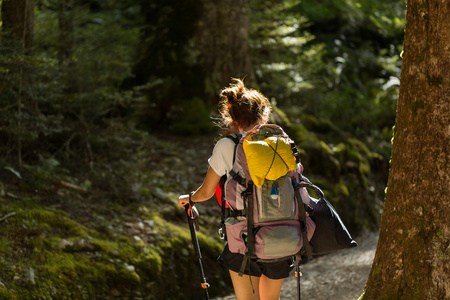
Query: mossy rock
[
  {"x": 179, "y": 264},
  {"x": 318, "y": 158},
  {"x": 341, "y": 165},
  {"x": 5, "y": 294},
  {"x": 70, "y": 261},
  {"x": 321, "y": 126}
]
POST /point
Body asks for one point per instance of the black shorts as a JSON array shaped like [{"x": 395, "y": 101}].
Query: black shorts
[{"x": 274, "y": 270}]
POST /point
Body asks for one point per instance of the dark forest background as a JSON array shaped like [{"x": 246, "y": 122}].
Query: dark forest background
[{"x": 107, "y": 111}]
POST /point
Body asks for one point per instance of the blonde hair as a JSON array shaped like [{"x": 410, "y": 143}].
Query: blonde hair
[{"x": 240, "y": 107}]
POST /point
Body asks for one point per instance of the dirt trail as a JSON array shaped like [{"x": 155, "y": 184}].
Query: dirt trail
[{"x": 336, "y": 276}]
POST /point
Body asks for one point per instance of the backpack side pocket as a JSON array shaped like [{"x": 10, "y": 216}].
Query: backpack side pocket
[{"x": 235, "y": 231}]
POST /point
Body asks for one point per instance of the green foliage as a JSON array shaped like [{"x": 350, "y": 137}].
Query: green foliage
[
  {"x": 24, "y": 113},
  {"x": 48, "y": 103},
  {"x": 344, "y": 65},
  {"x": 278, "y": 40},
  {"x": 363, "y": 63},
  {"x": 192, "y": 117}
]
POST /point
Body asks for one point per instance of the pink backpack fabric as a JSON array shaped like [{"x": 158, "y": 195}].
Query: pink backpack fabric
[{"x": 275, "y": 223}]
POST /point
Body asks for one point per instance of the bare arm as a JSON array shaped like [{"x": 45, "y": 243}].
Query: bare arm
[{"x": 205, "y": 191}]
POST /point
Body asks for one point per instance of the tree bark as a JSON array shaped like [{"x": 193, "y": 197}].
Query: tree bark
[
  {"x": 412, "y": 259},
  {"x": 18, "y": 18},
  {"x": 18, "y": 24},
  {"x": 189, "y": 51},
  {"x": 222, "y": 36}
]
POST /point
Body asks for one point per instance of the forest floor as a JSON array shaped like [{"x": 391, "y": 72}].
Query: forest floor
[
  {"x": 339, "y": 276},
  {"x": 114, "y": 202}
]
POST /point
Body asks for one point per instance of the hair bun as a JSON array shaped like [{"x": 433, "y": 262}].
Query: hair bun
[
  {"x": 235, "y": 91},
  {"x": 241, "y": 107}
]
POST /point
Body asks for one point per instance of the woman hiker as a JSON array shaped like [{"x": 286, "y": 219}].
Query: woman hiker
[{"x": 241, "y": 109}]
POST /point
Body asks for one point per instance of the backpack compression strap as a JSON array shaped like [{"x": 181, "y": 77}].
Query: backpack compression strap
[
  {"x": 248, "y": 195},
  {"x": 302, "y": 219}
]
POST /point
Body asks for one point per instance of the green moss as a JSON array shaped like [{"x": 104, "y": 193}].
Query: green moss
[
  {"x": 150, "y": 263},
  {"x": 321, "y": 126},
  {"x": 417, "y": 105},
  {"x": 59, "y": 263},
  {"x": 362, "y": 296},
  {"x": 68, "y": 264},
  {"x": 5, "y": 294},
  {"x": 211, "y": 246},
  {"x": 320, "y": 159},
  {"x": 301, "y": 135},
  {"x": 78, "y": 274},
  {"x": 360, "y": 146},
  {"x": 4, "y": 245},
  {"x": 364, "y": 167},
  {"x": 340, "y": 148},
  {"x": 343, "y": 189},
  {"x": 284, "y": 119},
  {"x": 145, "y": 191},
  {"x": 435, "y": 80},
  {"x": 327, "y": 148},
  {"x": 121, "y": 275},
  {"x": 45, "y": 219}
]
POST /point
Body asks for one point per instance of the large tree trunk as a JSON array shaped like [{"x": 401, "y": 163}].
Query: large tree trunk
[
  {"x": 18, "y": 18},
  {"x": 212, "y": 35},
  {"x": 222, "y": 36},
  {"x": 412, "y": 260},
  {"x": 190, "y": 50}
]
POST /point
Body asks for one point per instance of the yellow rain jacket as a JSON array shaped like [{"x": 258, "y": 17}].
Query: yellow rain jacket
[{"x": 269, "y": 159}]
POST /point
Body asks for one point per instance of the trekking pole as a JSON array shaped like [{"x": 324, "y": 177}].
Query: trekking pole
[
  {"x": 298, "y": 274},
  {"x": 192, "y": 215}
]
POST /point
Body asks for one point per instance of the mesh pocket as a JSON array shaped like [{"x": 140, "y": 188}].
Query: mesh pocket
[
  {"x": 276, "y": 205},
  {"x": 278, "y": 241}
]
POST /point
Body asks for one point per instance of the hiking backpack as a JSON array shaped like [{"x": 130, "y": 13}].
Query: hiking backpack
[{"x": 266, "y": 218}]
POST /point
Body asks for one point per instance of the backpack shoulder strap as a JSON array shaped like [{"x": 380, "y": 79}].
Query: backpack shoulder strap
[{"x": 236, "y": 138}]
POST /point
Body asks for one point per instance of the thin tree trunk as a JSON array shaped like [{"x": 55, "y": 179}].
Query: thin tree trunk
[
  {"x": 18, "y": 18},
  {"x": 412, "y": 260},
  {"x": 66, "y": 30}
]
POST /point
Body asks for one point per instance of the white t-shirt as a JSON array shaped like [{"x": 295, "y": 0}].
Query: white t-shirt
[{"x": 221, "y": 160}]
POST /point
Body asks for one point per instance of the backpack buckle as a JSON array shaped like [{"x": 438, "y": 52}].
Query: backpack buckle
[
  {"x": 246, "y": 194},
  {"x": 248, "y": 191},
  {"x": 221, "y": 233}
]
